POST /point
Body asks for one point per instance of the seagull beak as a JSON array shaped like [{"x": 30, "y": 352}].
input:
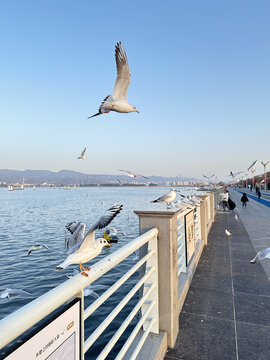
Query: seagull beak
[
  {"x": 137, "y": 111},
  {"x": 109, "y": 245}
]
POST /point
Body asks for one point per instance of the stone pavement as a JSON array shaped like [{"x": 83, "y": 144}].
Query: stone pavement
[{"x": 226, "y": 314}]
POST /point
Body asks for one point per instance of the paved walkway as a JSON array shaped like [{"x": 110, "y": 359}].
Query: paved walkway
[{"x": 226, "y": 314}]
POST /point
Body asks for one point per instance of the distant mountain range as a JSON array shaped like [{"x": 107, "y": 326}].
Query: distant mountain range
[{"x": 70, "y": 177}]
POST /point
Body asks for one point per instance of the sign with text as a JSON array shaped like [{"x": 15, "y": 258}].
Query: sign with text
[{"x": 58, "y": 340}]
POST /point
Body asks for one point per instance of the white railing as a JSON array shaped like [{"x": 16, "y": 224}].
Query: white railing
[{"x": 23, "y": 319}]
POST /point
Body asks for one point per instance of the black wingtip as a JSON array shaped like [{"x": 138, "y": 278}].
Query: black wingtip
[{"x": 58, "y": 268}]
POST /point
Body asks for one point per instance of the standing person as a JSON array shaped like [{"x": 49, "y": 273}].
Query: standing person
[
  {"x": 250, "y": 187},
  {"x": 259, "y": 194},
  {"x": 224, "y": 199},
  {"x": 244, "y": 200}
]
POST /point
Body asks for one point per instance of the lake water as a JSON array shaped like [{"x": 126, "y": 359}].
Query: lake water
[{"x": 31, "y": 217}]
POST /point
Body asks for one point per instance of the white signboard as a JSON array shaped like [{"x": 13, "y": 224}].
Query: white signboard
[{"x": 59, "y": 340}]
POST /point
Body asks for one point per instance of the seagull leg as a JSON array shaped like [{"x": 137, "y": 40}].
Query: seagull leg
[
  {"x": 167, "y": 205},
  {"x": 82, "y": 270}
]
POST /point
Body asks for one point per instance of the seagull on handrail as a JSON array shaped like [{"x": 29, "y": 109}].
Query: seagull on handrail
[
  {"x": 169, "y": 197},
  {"x": 132, "y": 175},
  {"x": 118, "y": 101},
  {"x": 82, "y": 248},
  {"x": 263, "y": 254},
  {"x": 82, "y": 156}
]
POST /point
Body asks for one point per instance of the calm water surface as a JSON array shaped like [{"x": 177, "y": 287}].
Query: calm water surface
[{"x": 31, "y": 217}]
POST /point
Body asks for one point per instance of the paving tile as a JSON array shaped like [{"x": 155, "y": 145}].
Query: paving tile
[
  {"x": 251, "y": 284},
  {"x": 214, "y": 265},
  {"x": 246, "y": 268},
  {"x": 207, "y": 280},
  {"x": 253, "y": 341},
  {"x": 245, "y": 253},
  {"x": 253, "y": 309},
  {"x": 209, "y": 302},
  {"x": 204, "y": 338}
]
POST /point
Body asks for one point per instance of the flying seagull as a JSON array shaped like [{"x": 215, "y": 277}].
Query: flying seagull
[
  {"x": 132, "y": 175},
  {"x": 82, "y": 248},
  {"x": 209, "y": 177},
  {"x": 118, "y": 101},
  {"x": 169, "y": 197},
  {"x": 264, "y": 254},
  {"x": 37, "y": 247},
  {"x": 82, "y": 156},
  {"x": 8, "y": 292}
]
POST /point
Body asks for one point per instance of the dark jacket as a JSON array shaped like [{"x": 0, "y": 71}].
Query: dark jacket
[{"x": 244, "y": 198}]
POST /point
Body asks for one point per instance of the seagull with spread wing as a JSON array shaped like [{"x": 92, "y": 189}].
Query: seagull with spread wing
[
  {"x": 82, "y": 248},
  {"x": 132, "y": 175},
  {"x": 82, "y": 156},
  {"x": 209, "y": 177},
  {"x": 118, "y": 101},
  {"x": 7, "y": 293}
]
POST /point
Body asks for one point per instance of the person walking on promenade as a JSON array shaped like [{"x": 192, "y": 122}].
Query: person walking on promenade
[
  {"x": 244, "y": 200},
  {"x": 259, "y": 194},
  {"x": 224, "y": 199}
]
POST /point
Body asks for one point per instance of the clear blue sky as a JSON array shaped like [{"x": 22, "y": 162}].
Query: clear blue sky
[{"x": 200, "y": 77}]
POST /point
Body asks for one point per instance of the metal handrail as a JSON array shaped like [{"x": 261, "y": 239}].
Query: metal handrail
[{"x": 23, "y": 319}]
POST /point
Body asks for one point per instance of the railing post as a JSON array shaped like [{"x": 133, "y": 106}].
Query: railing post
[
  {"x": 204, "y": 218},
  {"x": 166, "y": 223}
]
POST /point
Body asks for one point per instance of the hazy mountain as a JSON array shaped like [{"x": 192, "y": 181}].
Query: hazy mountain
[{"x": 70, "y": 177}]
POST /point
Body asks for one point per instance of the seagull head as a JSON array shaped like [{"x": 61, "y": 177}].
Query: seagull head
[
  {"x": 103, "y": 242},
  {"x": 134, "y": 109}
]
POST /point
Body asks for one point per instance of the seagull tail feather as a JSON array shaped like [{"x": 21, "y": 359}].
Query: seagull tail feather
[
  {"x": 63, "y": 265},
  {"x": 154, "y": 201}
]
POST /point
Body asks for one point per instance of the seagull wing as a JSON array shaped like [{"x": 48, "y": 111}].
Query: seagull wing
[
  {"x": 76, "y": 239},
  {"x": 206, "y": 176},
  {"x": 18, "y": 292},
  {"x": 123, "y": 76},
  {"x": 104, "y": 220},
  {"x": 83, "y": 152},
  {"x": 128, "y": 172},
  {"x": 142, "y": 176},
  {"x": 72, "y": 226}
]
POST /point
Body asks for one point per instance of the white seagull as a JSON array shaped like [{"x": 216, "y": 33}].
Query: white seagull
[
  {"x": 118, "y": 101},
  {"x": 264, "y": 254},
  {"x": 132, "y": 175},
  {"x": 236, "y": 217},
  {"x": 227, "y": 232},
  {"x": 82, "y": 156},
  {"x": 82, "y": 248},
  {"x": 37, "y": 247},
  {"x": 169, "y": 197},
  {"x": 8, "y": 292}
]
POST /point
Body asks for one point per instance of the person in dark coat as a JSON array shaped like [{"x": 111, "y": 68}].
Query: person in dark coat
[
  {"x": 259, "y": 194},
  {"x": 244, "y": 200}
]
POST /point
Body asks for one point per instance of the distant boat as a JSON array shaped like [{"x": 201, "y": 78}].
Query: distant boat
[
  {"x": 66, "y": 187},
  {"x": 10, "y": 188},
  {"x": 34, "y": 188},
  {"x": 20, "y": 187}
]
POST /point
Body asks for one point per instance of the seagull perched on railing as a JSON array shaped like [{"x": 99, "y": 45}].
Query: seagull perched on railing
[
  {"x": 132, "y": 175},
  {"x": 169, "y": 197},
  {"x": 118, "y": 101},
  {"x": 82, "y": 156},
  {"x": 82, "y": 248}
]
